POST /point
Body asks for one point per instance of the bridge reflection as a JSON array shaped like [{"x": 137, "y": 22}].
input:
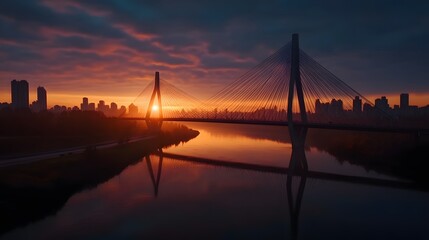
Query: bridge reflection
[
  {"x": 407, "y": 185},
  {"x": 155, "y": 180},
  {"x": 296, "y": 175}
]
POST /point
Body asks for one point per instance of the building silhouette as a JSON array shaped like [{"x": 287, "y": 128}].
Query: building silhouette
[
  {"x": 382, "y": 103},
  {"x": 357, "y": 105},
  {"x": 133, "y": 109},
  {"x": 335, "y": 107},
  {"x": 404, "y": 101},
  {"x": 84, "y": 105},
  {"x": 19, "y": 92},
  {"x": 42, "y": 101},
  {"x": 113, "y": 107},
  {"x": 91, "y": 107},
  {"x": 102, "y": 107}
]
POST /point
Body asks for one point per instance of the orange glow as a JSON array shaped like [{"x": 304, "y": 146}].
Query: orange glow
[{"x": 155, "y": 108}]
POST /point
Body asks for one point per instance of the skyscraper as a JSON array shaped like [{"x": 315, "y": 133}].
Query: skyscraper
[
  {"x": 42, "y": 98},
  {"x": 101, "y": 106},
  {"x": 357, "y": 105},
  {"x": 405, "y": 101},
  {"x": 382, "y": 103},
  {"x": 19, "y": 92},
  {"x": 84, "y": 106}
]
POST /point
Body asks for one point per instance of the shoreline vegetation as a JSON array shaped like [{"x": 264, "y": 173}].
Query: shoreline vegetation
[{"x": 36, "y": 190}]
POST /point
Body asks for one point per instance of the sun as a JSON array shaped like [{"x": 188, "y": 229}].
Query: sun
[{"x": 155, "y": 108}]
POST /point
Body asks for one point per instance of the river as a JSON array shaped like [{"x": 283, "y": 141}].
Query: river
[{"x": 176, "y": 199}]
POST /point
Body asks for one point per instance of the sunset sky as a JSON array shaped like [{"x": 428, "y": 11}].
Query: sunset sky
[{"x": 110, "y": 49}]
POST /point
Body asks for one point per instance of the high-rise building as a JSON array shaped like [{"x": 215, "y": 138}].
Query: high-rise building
[
  {"x": 19, "y": 92},
  {"x": 336, "y": 106},
  {"x": 101, "y": 106},
  {"x": 133, "y": 109},
  {"x": 113, "y": 106},
  {"x": 357, "y": 105},
  {"x": 367, "y": 108},
  {"x": 404, "y": 101},
  {"x": 42, "y": 101},
  {"x": 91, "y": 107},
  {"x": 84, "y": 106},
  {"x": 382, "y": 103}
]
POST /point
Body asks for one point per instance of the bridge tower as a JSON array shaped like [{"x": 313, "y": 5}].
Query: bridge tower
[
  {"x": 156, "y": 92},
  {"x": 295, "y": 80},
  {"x": 155, "y": 124},
  {"x": 297, "y": 133}
]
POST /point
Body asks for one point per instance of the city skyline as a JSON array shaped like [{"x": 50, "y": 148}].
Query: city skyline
[
  {"x": 20, "y": 99},
  {"x": 201, "y": 46},
  {"x": 76, "y": 101}
]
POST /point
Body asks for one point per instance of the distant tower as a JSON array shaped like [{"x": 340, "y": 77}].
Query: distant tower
[
  {"x": 19, "y": 92},
  {"x": 42, "y": 98},
  {"x": 405, "y": 101},
  {"x": 357, "y": 105}
]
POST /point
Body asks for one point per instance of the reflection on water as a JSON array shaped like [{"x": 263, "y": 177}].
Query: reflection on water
[
  {"x": 251, "y": 192},
  {"x": 157, "y": 178}
]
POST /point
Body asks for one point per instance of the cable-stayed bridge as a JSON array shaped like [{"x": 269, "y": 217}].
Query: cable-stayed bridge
[{"x": 287, "y": 88}]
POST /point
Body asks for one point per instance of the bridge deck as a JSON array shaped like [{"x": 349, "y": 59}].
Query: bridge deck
[{"x": 332, "y": 126}]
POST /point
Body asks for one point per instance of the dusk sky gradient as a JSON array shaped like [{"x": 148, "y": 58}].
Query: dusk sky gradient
[{"x": 110, "y": 49}]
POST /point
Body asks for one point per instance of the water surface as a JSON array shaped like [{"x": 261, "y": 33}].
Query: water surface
[{"x": 176, "y": 199}]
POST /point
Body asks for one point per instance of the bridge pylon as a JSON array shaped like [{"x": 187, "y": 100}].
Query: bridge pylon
[
  {"x": 297, "y": 134},
  {"x": 155, "y": 108},
  {"x": 295, "y": 81},
  {"x": 156, "y": 92}
]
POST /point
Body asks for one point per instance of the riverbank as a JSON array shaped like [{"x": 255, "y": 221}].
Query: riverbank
[{"x": 36, "y": 190}]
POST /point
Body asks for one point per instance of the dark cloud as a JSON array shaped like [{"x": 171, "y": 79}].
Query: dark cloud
[
  {"x": 168, "y": 59},
  {"x": 34, "y": 14},
  {"x": 13, "y": 32},
  {"x": 10, "y": 53},
  {"x": 73, "y": 42},
  {"x": 224, "y": 62}
]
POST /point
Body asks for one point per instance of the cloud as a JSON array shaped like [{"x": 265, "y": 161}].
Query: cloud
[
  {"x": 374, "y": 46},
  {"x": 73, "y": 41}
]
